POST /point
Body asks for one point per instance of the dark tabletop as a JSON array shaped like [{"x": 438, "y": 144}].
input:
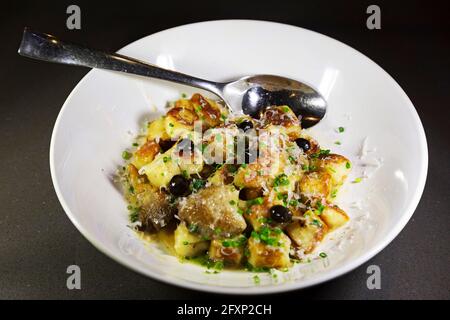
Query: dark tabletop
[{"x": 37, "y": 240}]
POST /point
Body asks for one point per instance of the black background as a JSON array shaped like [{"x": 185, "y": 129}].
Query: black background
[{"x": 37, "y": 240}]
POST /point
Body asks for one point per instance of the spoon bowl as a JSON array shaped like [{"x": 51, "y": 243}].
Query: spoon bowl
[
  {"x": 249, "y": 95},
  {"x": 254, "y": 93}
]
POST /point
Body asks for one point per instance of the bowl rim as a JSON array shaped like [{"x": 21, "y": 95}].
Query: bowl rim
[{"x": 338, "y": 271}]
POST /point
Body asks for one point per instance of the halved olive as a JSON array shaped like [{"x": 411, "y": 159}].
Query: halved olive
[
  {"x": 250, "y": 193},
  {"x": 303, "y": 144},
  {"x": 179, "y": 186},
  {"x": 280, "y": 213},
  {"x": 245, "y": 125},
  {"x": 166, "y": 145}
]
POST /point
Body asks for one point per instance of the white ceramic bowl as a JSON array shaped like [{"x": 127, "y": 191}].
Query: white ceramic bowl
[{"x": 105, "y": 109}]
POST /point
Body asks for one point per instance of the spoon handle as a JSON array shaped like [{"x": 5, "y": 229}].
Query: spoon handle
[{"x": 46, "y": 47}]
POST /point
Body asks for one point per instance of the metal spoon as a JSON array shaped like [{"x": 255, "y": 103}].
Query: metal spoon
[{"x": 249, "y": 95}]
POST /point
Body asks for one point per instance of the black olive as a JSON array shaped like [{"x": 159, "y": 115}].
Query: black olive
[
  {"x": 303, "y": 144},
  {"x": 179, "y": 186},
  {"x": 250, "y": 193},
  {"x": 245, "y": 125},
  {"x": 280, "y": 213},
  {"x": 166, "y": 145}
]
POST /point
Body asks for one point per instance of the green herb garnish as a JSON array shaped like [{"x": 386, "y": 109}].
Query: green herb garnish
[
  {"x": 234, "y": 243},
  {"x": 197, "y": 184},
  {"x": 267, "y": 235},
  {"x": 259, "y": 200},
  {"x": 193, "y": 228},
  {"x": 281, "y": 180},
  {"x": 126, "y": 155},
  {"x": 134, "y": 214},
  {"x": 320, "y": 208},
  {"x": 322, "y": 152},
  {"x": 316, "y": 223}
]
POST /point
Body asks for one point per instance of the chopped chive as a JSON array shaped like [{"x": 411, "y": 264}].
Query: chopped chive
[
  {"x": 232, "y": 202},
  {"x": 193, "y": 228},
  {"x": 256, "y": 279},
  {"x": 357, "y": 180},
  {"x": 338, "y": 143},
  {"x": 316, "y": 223},
  {"x": 135, "y": 144},
  {"x": 185, "y": 243},
  {"x": 165, "y": 159},
  {"x": 259, "y": 200},
  {"x": 322, "y": 255},
  {"x": 197, "y": 184},
  {"x": 348, "y": 165},
  {"x": 322, "y": 152},
  {"x": 171, "y": 125},
  {"x": 341, "y": 129},
  {"x": 134, "y": 214},
  {"x": 320, "y": 208},
  {"x": 281, "y": 180},
  {"x": 126, "y": 155},
  {"x": 184, "y": 95}
]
